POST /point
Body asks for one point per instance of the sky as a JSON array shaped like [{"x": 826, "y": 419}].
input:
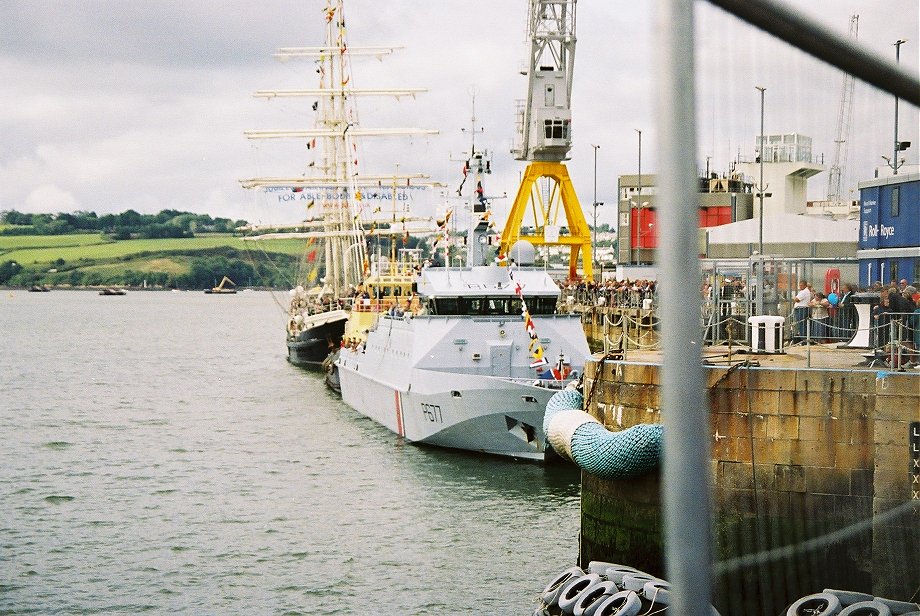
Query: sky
[{"x": 111, "y": 105}]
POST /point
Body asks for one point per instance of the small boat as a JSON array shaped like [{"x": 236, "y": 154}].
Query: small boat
[
  {"x": 39, "y": 288},
  {"x": 113, "y": 291}
]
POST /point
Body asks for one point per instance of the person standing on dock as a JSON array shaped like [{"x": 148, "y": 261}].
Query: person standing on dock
[
  {"x": 819, "y": 315},
  {"x": 800, "y": 310},
  {"x": 846, "y": 311}
]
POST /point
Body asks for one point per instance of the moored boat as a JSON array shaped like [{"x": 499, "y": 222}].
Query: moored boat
[
  {"x": 340, "y": 196},
  {"x": 387, "y": 290},
  {"x": 473, "y": 366}
]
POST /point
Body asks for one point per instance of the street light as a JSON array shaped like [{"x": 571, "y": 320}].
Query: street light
[
  {"x": 639, "y": 200},
  {"x": 761, "y": 187},
  {"x": 897, "y": 146},
  {"x": 594, "y": 229}
]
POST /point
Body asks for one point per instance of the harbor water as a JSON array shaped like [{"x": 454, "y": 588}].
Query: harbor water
[{"x": 159, "y": 455}]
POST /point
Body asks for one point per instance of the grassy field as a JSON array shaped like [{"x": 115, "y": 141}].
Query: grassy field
[
  {"x": 38, "y": 249},
  {"x": 92, "y": 259}
]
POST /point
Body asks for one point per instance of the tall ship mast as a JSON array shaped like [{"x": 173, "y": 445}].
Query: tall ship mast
[{"x": 334, "y": 187}]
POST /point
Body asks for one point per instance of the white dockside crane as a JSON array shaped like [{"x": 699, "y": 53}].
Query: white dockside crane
[{"x": 544, "y": 138}]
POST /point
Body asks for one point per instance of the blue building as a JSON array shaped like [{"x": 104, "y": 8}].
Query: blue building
[{"x": 889, "y": 229}]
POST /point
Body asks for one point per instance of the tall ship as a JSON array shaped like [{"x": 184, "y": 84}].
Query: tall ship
[
  {"x": 474, "y": 355},
  {"x": 342, "y": 201}
]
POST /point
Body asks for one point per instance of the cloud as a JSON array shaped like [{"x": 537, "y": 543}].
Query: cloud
[
  {"x": 50, "y": 199},
  {"x": 143, "y": 105}
]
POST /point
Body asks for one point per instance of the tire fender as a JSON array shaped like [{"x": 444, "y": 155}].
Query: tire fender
[
  {"x": 573, "y": 590},
  {"x": 600, "y": 567},
  {"x": 590, "y": 599},
  {"x": 658, "y": 592},
  {"x": 551, "y": 592},
  {"x": 819, "y": 604},
  {"x": 849, "y": 597},
  {"x": 899, "y": 608},
  {"x": 866, "y": 608},
  {"x": 636, "y": 581},
  {"x": 615, "y": 574},
  {"x": 624, "y": 603}
]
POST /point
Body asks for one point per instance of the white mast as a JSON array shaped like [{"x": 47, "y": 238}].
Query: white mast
[{"x": 335, "y": 177}]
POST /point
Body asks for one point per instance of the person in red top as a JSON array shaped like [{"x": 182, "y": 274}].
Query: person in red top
[{"x": 562, "y": 369}]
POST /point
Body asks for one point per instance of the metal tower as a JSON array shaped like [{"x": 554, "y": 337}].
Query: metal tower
[
  {"x": 837, "y": 174},
  {"x": 544, "y": 138}
]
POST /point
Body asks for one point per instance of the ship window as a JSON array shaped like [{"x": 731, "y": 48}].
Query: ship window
[
  {"x": 446, "y": 305},
  {"x": 895, "y": 201},
  {"x": 491, "y": 306},
  {"x": 541, "y": 305}
]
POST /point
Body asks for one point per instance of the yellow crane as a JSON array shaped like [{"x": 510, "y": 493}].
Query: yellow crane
[
  {"x": 544, "y": 140},
  {"x": 220, "y": 288}
]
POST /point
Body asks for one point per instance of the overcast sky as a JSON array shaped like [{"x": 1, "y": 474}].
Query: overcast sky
[{"x": 110, "y": 105}]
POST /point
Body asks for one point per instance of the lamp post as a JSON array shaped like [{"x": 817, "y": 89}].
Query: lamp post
[
  {"x": 594, "y": 228},
  {"x": 761, "y": 187},
  {"x": 897, "y": 146},
  {"x": 639, "y": 201}
]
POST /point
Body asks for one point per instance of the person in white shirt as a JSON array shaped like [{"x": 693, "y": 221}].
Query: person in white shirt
[{"x": 800, "y": 310}]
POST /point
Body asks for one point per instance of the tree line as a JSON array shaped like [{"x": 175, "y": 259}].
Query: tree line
[
  {"x": 127, "y": 225},
  {"x": 206, "y": 268}
]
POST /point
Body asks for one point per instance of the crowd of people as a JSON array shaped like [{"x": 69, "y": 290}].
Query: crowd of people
[
  {"x": 818, "y": 316},
  {"x": 618, "y": 293},
  {"x": 895, "y": 314}
]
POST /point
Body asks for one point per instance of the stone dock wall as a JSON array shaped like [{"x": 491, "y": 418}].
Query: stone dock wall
[{"x": 818, "y": 467}]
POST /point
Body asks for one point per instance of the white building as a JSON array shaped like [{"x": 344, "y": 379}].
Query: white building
[{"x": 787, "y": 166}]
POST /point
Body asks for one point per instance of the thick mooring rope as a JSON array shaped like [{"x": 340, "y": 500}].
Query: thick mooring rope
[{"x": 579, "y": 437}]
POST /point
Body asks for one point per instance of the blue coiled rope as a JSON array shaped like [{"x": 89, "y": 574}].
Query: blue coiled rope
[
  {"x": 616, "y": 455},
  {"x": 597, "y": 450}
]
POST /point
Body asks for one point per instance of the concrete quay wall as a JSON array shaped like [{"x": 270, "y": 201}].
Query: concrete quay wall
[{"x": 820, "y": 468}]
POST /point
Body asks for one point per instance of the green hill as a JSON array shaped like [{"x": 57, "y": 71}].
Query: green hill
[{"x": 88, "y": 259}]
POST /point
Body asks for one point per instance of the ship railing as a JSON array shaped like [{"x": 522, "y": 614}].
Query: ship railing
[{"x": 538, "y": 382}]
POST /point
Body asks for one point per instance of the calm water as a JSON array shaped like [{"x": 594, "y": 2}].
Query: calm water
[{"x": 157, "y": 453}]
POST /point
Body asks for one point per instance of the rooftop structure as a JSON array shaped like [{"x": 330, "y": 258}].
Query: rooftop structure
[{"x": 788, "y": 163}]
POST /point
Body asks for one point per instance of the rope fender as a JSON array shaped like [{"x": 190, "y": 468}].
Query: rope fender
[{"x": 579, "y": 437}]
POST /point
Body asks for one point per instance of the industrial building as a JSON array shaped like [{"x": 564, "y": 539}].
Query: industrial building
[{"x": 889, "y": 229}]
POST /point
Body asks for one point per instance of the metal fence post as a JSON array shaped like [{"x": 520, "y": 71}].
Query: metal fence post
[{"x": 686, "y": 467}]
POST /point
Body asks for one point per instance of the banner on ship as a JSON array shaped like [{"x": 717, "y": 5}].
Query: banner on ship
[{"x": 375, "y": 194}]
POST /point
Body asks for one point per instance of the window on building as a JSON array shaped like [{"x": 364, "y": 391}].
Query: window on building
[{"x": 895, "y": 201}]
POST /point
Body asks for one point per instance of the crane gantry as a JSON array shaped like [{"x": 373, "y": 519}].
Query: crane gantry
[
  {"x": 837, "y": 175},
  {"x": 544, "y": 138}
]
